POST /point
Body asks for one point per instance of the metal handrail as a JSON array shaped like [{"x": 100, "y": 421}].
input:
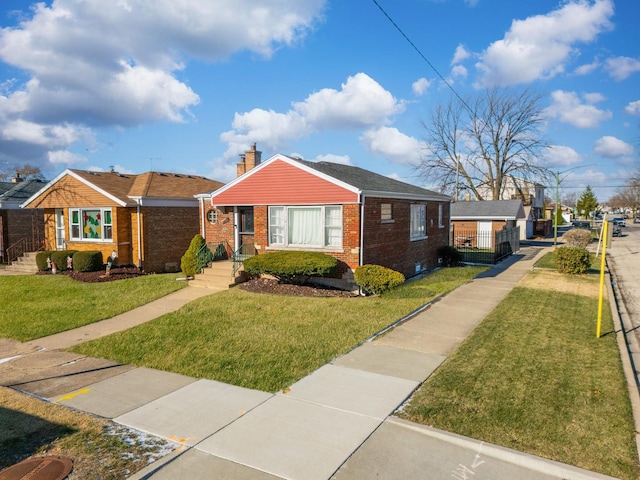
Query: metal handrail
[
  {"x": 205, "y": 256},
  {"x": 22, "y": 246},
  {"x": 240, "y": 255}
]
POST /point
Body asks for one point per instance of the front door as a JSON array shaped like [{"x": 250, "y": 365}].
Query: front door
[
  {"x": 60, "y": 236},
  {"x": 245, "y": 226}
]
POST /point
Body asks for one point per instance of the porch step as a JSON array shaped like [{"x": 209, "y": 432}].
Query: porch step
[
  {"x": 23, "y": 265},
  {"x": 218, "y": 275}
]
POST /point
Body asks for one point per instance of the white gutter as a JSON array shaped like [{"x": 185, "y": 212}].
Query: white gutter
[{"x": 138, "y": 200}]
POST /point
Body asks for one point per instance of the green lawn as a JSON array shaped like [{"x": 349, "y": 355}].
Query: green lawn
[
  {"x": 266, "y": 342},
  {"x": 34, "y": 306},
  {"x": 533, "y": 377}
]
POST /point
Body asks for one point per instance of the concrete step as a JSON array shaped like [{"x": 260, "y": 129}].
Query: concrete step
[
  {"x": 218, "y": 275},
  {"x": 24, "y": 264}
]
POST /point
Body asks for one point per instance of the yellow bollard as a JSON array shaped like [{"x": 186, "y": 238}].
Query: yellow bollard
[{"x": 605, "y": 226}]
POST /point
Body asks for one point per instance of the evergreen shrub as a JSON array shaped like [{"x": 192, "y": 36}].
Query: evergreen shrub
[
  {"x": 189, "y": 261},
  {"x": 41, "y": 260},
  {"x": 293, "y": 267},
  {"x": 574, "y": 260},
  {"x": 90, "y": 261},
  {"x": 376, "y": 279},
  {"x": 451, "y": 257}
]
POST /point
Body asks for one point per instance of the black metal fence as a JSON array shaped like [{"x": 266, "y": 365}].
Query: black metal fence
[{"x": 485, "y": 247}]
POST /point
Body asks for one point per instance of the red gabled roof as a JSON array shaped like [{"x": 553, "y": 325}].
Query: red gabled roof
[{"x": 283, "y": 181}]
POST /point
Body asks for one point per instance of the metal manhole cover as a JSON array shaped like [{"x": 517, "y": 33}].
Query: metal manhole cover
[{"x": 52, "y": 467}]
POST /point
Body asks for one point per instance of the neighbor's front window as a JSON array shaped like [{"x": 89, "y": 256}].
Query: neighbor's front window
[
  {"x": 91, "y": 224},
  {"x": 418, "y": 222},
  {"x": 313, "y": 226}
]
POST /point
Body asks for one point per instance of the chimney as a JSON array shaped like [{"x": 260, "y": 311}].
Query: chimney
[
  {"x": 17, "y": 178},
  {"x": 250, "y": 159},
  {"x": 467, "y": 197}
]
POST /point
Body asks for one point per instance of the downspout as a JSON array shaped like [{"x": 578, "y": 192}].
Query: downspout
[
  {"x": 139, "y": 233},
  {"x": 202, "y": 215},
  {"x": 362, "y": 199}
]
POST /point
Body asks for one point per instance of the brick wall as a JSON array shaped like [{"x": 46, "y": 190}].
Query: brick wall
[
  {"x": 388, "y": 243},
  {"x": 168, "y": 231}
]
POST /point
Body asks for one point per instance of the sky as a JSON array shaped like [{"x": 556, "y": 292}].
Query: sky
[{"x": 186, "y": 86}]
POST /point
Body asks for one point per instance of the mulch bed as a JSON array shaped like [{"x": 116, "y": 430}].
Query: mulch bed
[
  {"x": 117, "y": 273},
  {"x": 267, "y": 285}
]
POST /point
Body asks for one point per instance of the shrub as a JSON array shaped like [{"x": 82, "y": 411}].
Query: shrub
[
  {"x": 291, "y": 266},
  {"x": 41, "y": 260},
  {"x": 189, "y": 261},
  {"x": 59, "y": 257},
  {"x": 377, "y": 279},
  {"x": 451, "y": 257},
  {"x": 578, "y": 237},
  {"x": 87, "y": 261},
  {"x": 573, "y": 260}
]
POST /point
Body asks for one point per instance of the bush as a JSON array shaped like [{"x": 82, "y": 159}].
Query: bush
[
  {"x": 575, "y": 260},
  {"x": 578, "y": 237},
  {"x": 87, "y": 261},
  {"x": 189, "y": 261},
  {"x": 451, "y": 257},
  {"x": 41, "y": 260},
  {"x": 291, "y": 266},
  {"x": 59, "y": 257},
  {"x": 376, "y": 279}
]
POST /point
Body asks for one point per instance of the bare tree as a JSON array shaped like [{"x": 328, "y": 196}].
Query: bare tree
[
  {"x": 477, "y": 145},
  {"x": 26, "y": 172}
]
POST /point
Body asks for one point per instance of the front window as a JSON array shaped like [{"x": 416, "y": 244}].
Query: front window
[
  {"x": 418, "y": 222},
  {"x": 313, "y": 226},
  {"x": 91, "y": 224},
  {"x": 441, "y": 216}
]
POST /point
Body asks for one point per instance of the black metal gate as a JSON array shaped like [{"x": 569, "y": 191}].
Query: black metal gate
[{"x": 485, "y": 247}]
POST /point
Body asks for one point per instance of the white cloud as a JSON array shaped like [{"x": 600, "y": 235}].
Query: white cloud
[
  {"x": 587, "y": 68},
  {"x": 622, "y": 67},
  {"x": 460, "y": 55},
  {"x": 420, "y": 86},
  {"x": 459, "y": 71},
  {"x": 342, "y": 159},
  {"x": 64, "y": 157},
  {"x": 612, "y": 147},
  {"x": 633, "y": 108},
  {"x": 540, "y": 46},
  {"x": 117, "y": 63},
  {"x": 393, "y": 145},
  {"x": 568, "y": 108},
  {"x": 560, "y": 156},
  {"x": 361, "y": 103}
]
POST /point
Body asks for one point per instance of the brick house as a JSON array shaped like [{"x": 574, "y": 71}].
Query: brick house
[
  {"x": 20, "y": 230},
  {"x": 355, "y": 215},
  {"x": 148, "y": 219}
]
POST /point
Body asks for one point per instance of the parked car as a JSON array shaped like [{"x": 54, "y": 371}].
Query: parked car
[
  {"x": 620, "y": 221},
  {"x": 581, "y": 224},
  {"x": 636, "y": 220},
  {"x": 617, "y": 231}
]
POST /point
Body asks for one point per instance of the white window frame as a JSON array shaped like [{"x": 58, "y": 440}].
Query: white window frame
[
  {"x": 386, "y": 213},
  {"x": 279, "y": 226},
  {"x": 418, "y": 222},
  {"x": 440, "y": 215},
  {"x": 79, "y": 225}
]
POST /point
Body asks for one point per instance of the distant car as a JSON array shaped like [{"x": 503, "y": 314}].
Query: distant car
[
  {"x": 636, "y": 220},
  {"x": 617, "y": 231},
  {"x": 581, "y": 224},
  {"x": 620, "y": 221}
]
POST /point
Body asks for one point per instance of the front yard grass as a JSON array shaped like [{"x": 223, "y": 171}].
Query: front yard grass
[
  {"x": 533, "y": 377},
  {"x": 264, "y": 341},
  {"x": 35, "y": 306}
]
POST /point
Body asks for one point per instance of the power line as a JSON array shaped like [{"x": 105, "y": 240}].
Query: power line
[{"x": 422, "y": 55}]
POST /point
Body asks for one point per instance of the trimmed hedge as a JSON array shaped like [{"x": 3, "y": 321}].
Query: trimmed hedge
[
  {"x": 291, "y": 266},
  {"x": 574, "y": 260},
  {"x": 451, "y": 257},
  {"x": 377, "y": 279},
  {"x": 189, "y": 261},
  {"x": 87, "y": 262},
  {"x": 41, "y": 260},
  {"x": 59, "y": 257}
]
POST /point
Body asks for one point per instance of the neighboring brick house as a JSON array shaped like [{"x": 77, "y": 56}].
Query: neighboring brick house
[
  {"x": 474, "y": 223},
  {"x": 355, "y": 215},
  {"x": 20, "y": 230},
  {"x": 148, "y": 219}
]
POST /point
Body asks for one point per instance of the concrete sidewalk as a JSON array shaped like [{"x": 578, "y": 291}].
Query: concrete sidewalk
[{"x": 334, "y": 423}]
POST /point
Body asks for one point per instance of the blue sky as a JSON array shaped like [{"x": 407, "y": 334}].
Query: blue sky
[{"x": 186, "y": 86}]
